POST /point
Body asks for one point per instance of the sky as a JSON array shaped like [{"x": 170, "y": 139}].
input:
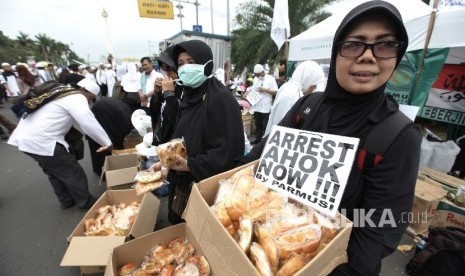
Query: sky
[{"x": 79, "y": 24}]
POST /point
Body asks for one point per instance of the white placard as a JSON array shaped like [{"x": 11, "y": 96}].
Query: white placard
[
  {"x": 410, "y": 111},
  {"x": 309, "y": 167},
  {"x": 253, "y": 96}
]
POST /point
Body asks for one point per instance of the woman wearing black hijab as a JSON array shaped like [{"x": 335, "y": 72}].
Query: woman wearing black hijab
[
  {"x": 367, "y": 47},
  {"x": 209, "y": 120}
]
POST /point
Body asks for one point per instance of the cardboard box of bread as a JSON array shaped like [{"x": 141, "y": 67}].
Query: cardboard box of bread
[
  {"x": 118, "y": 171},
  {"x": 252, "y": 227},
  {"x": 170, "y": 251},
  {"x": 116, "y": 217}
]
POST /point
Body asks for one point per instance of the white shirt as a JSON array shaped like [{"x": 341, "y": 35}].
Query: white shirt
[
  {"x": 150, "y": 84},
  {"x": 264, "y": 104},
  {"x": 39, "y": 132},
  {"x": 101, "y": 77},
  {"x": 91, "y": 77},
  {"x": 286, "y": 97},
  {"x": 111, "y": 76}
]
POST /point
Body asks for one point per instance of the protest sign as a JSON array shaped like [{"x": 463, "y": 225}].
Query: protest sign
[
  {"x": 253, "y": 96},
  {"x": 309, "y": 167}
]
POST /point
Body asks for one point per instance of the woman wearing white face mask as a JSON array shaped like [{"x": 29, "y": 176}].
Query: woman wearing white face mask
[{"x": 209, "y": 120}]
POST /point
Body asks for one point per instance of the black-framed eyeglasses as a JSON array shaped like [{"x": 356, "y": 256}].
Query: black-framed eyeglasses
[
  {"x": 382, "y": 49},
  {"x": 166, "y": 68}
]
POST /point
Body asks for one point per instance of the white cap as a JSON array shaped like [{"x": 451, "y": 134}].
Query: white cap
[
  {"x": 90, "y": 86},
  {"x": 258, "y": 69},
  {"x": 5, "y": 64}
]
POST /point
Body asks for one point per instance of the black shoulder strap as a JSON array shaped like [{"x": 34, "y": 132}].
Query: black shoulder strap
[
  {"x": 383, "y": 134},
  {"x": 379, "y": 139},
  {"x": 306, "y": 107}
]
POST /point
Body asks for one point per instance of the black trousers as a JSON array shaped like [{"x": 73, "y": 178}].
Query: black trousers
[
  {"x": 261, "y": 120},
  {"x": 68, "y": 179},
  {"x": 97, "y": 158},
  {"x": 103, "y": 90}
]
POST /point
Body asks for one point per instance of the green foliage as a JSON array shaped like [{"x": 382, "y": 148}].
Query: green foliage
[
  {"x": 42, "y": 47},
  {"x": 251, "y": 41}
]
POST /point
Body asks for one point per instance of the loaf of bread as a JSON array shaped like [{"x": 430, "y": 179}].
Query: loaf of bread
[{"x": 167, "y": 152}]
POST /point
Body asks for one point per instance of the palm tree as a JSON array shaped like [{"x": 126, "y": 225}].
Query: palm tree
[
  {"x": 24, "y": 40},
  {"x": 251, "y": 41},
  {"x": 44, "y": 42}
]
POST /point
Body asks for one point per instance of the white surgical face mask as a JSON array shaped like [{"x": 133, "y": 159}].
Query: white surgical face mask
[{"x": 192, "y": 75}]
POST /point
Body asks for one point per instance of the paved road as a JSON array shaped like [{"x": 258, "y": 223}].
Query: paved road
[{"x": 33, "y": 228}]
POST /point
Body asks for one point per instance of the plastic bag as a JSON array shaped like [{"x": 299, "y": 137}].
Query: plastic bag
[{"x": 438, "y": 155}]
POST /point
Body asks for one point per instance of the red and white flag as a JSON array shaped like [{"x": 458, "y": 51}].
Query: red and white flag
[{"x": 280, "y": 28}]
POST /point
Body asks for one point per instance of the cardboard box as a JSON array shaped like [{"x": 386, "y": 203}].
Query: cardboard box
[
  {"x": 119, "y": 171},
  {"x": 91, "y": 253},
  {"x": 427, "y": 197},
  {"x": 135, "y": 250},
  {"x": 246, "y": 121},
  {"x": 448, "y": 182},
  {"x": 449, "y": 214},
  {"x": 223, "y": 252},
  {"x": 124, "y": 151}
]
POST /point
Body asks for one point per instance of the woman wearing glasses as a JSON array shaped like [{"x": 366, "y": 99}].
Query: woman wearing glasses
[{"x": 367, "y": 47}]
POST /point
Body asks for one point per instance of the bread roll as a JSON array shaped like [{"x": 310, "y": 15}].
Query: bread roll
[
  {"x": 245, "y": 233},
  {"x": 268, "y": 244},
  {"x": 300, "y": 240},
  {"x": 260, "y": 260},
  {"x": 246, "y": 171},
  {"x": 292, "y": 265},
  {"x": 244, "y": 184},
  {"x": 236, "y": 205},
  {"x": 167, "y": 152},
  {"x": 127, "y": 269},
  {"x": 146, "y": 177}
]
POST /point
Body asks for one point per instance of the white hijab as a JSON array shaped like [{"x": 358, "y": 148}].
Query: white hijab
[
  {"x": 308, "y": 73},
  {"x": 131, "y": 80}
]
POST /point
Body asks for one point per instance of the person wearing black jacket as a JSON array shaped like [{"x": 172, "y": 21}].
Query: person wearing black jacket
[
  {"x": 115, "y": 118},
  {"x": 367, "y": 47},
  {"x": 164, "y": 104},
  {"x": 209, "y": 120}
]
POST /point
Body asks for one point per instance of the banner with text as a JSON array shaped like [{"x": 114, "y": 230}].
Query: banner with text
[
  {"x": 156, "y": 9},
  {"x": 401, "y": 81},
  {"x": 309, "y": 167},
  {"x": 446, "y": 99}
]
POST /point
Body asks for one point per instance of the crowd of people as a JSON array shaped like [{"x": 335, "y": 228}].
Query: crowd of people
[{"x": 186, "y": 101}]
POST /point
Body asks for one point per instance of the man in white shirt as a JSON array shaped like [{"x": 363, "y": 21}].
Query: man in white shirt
[
  {"x": 9, "y": 81},
  {"x": 110, "y": 74},
  {"x": 266, "y": 85},
  {"x": 41, "y": 135},
  {"x": 101, "y": 78},
  {"x": 147, "y": 81}
]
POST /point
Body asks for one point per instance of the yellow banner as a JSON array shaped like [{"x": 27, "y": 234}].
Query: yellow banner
[{"x": 155, "y": 9}]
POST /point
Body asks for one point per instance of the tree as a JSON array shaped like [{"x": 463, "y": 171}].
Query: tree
[
  {"x": 24, "y": 40},
  {"x": 251, "y": 41},
  {"x": 43, "y": 43}
]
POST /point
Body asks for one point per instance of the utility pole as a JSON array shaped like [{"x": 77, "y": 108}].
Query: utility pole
[
  {"x": 228, "y": 31},
  {"x": 180, "y": 15},
  {"x": 196, "y": 4},
  {"x": 211, "y": 12}
]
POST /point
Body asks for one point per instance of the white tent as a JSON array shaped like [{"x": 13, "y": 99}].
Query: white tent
[{"x": 449, "y": 30}]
